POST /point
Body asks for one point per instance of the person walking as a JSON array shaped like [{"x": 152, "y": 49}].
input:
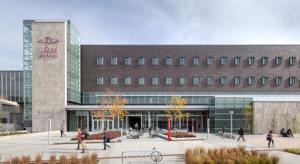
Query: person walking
[
  {"x": 83, "y": 137},
  {"x": 150, "y": 132},
  {"x": 62, "y": 131},
  {"x": 223, "y": 132},
  {"x": 79, "y": 134},
  {"x": 136, "y": 126},
  {"x": 241, "y": 134},
  {"x": 270, "y": 138},
  {"x": 105, "y": 139}
]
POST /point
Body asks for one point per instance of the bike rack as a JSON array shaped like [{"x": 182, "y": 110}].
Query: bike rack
[{"x": 154, "y": 155}]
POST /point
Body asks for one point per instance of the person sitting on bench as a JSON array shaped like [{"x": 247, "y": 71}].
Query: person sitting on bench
[{"x": 283, "y": 134}]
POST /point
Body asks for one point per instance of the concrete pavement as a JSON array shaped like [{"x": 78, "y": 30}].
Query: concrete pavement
[{"x": 37, "y": 144}]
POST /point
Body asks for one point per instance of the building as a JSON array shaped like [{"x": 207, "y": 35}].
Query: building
[
  {"x": 64, "y": 81},
  {"x": 10, "y": 115},
  {"x": 11, "y": 85}
]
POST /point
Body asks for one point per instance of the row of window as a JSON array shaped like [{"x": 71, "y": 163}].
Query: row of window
[
  {"x": 224, "y": 80},
  {"x": 209, "y": 61}
]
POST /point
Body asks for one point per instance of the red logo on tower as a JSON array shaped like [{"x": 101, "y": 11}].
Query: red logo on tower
[{"x": 49, "y": 48}]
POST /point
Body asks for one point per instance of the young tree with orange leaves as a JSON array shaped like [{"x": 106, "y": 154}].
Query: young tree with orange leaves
[
  {"x": 176, "y": 104},
  {"x": 111, "y": 106}
]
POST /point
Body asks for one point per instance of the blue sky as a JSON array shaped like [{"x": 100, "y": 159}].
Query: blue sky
[{"x": 154, "y": 22}]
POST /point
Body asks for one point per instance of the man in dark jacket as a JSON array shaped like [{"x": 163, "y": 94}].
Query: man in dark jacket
[
  {"x": 105, "y": 139},
  {"x": 241, "y": 135}
]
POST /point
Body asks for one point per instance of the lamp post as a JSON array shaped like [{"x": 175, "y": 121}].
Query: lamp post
[
  {"x": 231, "y": 113},
  {"x": 49, "y": 131},
  {"x": 192, "y": 125},
  {"x": 207, "y": 127},
  {"x": 122, "y": 127}
]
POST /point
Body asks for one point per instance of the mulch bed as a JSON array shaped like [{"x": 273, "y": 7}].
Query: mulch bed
[
  {"x": 99, "y": 136},
  {"x": 181, "y": 135}
]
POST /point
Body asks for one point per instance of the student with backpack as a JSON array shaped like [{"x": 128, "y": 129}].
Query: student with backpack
[
  {"x": 241, "y": 134},
  {"x": 84, "y": 136},
  {"x": 270, "y": 138},
  {"x": 105, "y": 139}
]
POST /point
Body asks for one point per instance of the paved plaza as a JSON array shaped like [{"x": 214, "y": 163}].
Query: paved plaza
[{"x": 173, "y": 151}]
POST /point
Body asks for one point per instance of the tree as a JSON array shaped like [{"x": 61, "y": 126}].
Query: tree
[
  {"x": 248, "y": 117},
  {"x": 111, "y": 106},
  {"x": 176, "y": 104}
]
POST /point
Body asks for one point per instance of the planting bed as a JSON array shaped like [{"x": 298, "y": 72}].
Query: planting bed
[
  {"x": 227, "y": 155},
  {"x": 99, "y": 136},
  {"x": 181, "y": 135}
]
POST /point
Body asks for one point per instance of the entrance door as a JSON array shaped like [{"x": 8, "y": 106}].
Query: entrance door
[
  {"x": 108, "y": 124},
  {"x": 195, "y": 123},
  {"x": 133, "y": 120},
  {"x": 81, "y": 121},
  {"x": 97, "y": 125}
]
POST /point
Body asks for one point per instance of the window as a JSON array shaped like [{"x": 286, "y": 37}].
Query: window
[
  {"x": 278, "y": 80},
  {"x": 100, "y": 61},
  {"x": 182, "y": 60},
  {"x": 223, "y": 80},
  {"x": 141, "y": 61},
  {"x": 195, "y": 60},
  {"x": 251, "y": 60},
  {"x": 278, "y": 61},
  {"x": 141, "y": 81},
  {"x": 292, "y": 61},
  {"x": 155, "y": 81},
  {"x": 264, "y": 60},
  {"x": 114, "y": 60},
  {"x": 237, "y": 60},
  {"x": 168, "y": 81},
  {"x": 264, "y": 80},
  {"x": 251, "y": 80},
  {"x": 127, "y": 60},
  {"x": 182, "y": 81},
  {"x": 114, "y": 80},
  {"x": 292, "y": 80},
  {"x": 100, "y": 80},
  {"x": 169, "y": 61},
  {"x": 237, "y": 80},
  {"x": 127, "y": 80},
  {"x": 209, "y": 81},
  {"x": 210, "y": 60},
  {"x": 223, "y": 60},
  {"x": 195, "y": 80},
  {"x": 155, "y": 61}
]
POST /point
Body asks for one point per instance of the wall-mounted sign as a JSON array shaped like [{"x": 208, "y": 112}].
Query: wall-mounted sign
[{"x": 49, "y": 48}]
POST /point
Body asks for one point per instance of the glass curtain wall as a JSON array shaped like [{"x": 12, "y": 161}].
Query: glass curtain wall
[
  {"x": 27, "y": 67},
  {"x": 73, "y": 64},
  {"x": 220, "y": 113}
]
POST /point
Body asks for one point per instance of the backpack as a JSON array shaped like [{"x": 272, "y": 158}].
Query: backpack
[
  {"x": 268, "y": 137},
  {"x": 86, "y": 135}
]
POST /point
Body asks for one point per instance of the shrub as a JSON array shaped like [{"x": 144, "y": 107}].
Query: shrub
[
  {"x": 38, "y": 159},
  {"x": 52, "y": 159},
  {"x": 15, "y": 160},
  {"x": 25, "y": 159},
  {"x": 228, "y": 156},
  {"x": 74, "y": 159},
  {"x": 293, "y": 150},
  {"x": 94, "y": 158},
  {"x": 63, "y": 159}
]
